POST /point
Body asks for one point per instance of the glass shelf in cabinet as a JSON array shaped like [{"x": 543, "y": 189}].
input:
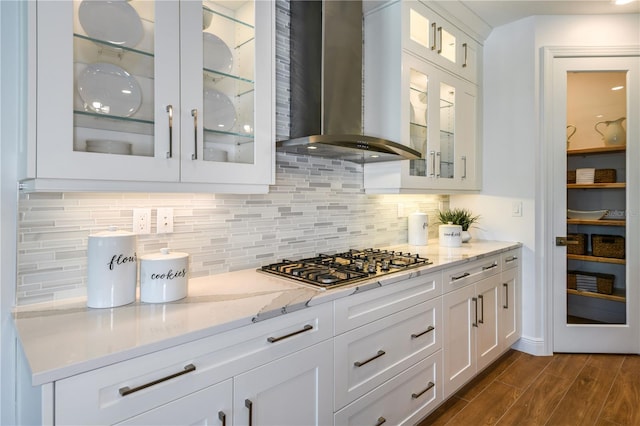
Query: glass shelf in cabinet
[
  {"x": 116, "y": 48},
  {"x": 112, "y": 122},
  {"x": 445, "y": 104},
  {"x": 416, "y": 125},
  {"x": 206, "y": 9},
  {"x": 219, "y": 75},
  {"x": 234, "y": 138}
]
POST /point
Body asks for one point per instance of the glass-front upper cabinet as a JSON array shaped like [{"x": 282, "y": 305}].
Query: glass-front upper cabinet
[
  {"x": 434, "y": 38},
  {"x": 148, "y": 91}
]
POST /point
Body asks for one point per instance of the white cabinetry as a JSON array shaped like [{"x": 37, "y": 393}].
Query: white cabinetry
[
  {"x": 262, "y": 363},
  {"x": 159, "y": 104},
  {"x": 510, "y": 323},
  {"x": 388, "y": 359},
  {"x": 430, "y": 102}
]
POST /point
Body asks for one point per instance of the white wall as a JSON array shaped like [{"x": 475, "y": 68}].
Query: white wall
[{"x": 513, "y": 145}]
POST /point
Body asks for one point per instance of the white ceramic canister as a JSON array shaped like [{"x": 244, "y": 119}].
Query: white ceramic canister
[
  {"x": 111, "y": 268},
  {"x": 163, "y": 276},
  {"x": 450, "y": 235},
  {"x": 418, "y": 229}
]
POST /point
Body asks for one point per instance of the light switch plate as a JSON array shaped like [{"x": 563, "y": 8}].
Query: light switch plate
[{"x": 516, "y": 209}]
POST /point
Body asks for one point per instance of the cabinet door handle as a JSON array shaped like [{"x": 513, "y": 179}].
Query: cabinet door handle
[
  {"x": 419, "y": 394},
  {"x": 127, "y": 390},
  {"x": 376, "y": 356},
  {"x": 475, "y": 301},
  {"x": 430, "y": 328},
  {"x": 277, "y": 339},
  {"x": 433, "y": 27},
  {"x": 481, "y": 320},
  {"x": 432, "y": 154},
  {"x": 170, "y": 112},
  {"x": 222, "y": 417},
  {"x": 249, "y": 405},
  {"x": 464, "y": 169},
  {"x": 381, "y": 421},
  {"x": 459, "y": 277},
  {"x": 465, "y": 47},
  {"x": 493, "y": 265},
  {"x": 194, "y": 114},
  {"x": 506, "y": 296},
  {"x": 510, "y": 259},
  {"x": 438, "y": 173},
  {"x": 440, "y": 39}
]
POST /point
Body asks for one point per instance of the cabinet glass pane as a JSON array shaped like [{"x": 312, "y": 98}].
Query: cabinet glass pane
[
  {"x": 418, "y": 28},
  {"x": 113, "y": 102},
  {"x": 447, "y": 44},
  {"x": 228, "y": 97},
  {"x": 596, "y": 270},
  {"x": 447, "y": 130},
  {"x": 418, "y": 119}
]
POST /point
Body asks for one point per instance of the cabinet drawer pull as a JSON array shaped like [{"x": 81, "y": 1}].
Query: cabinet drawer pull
[
  {"x": 381, "y": 421},
  {"x": 222, "y": 417},
  {"x": 506, "y": 296},
  {"x": 127, "y": 390},
  {"x": 465, "y": 47},
  {"x": 430, "y": 328},
  {"x": 481, "y": 320},
  {"x": 459, "y": 277},
  {"x": 249, "y": 405},
  {"x": 433, "y": 45},
  {"x": 510, "y": 259},
  {"x": 194, "y": 114},
  {"x": 484, "y": 268},
  {"x": 475, "y": 301},
  {"x": 419, "y": 394},
  {"x": 170, "y": 111},
  {"x": 277, "y": 339},
  {"x": 361, "y": 363}
]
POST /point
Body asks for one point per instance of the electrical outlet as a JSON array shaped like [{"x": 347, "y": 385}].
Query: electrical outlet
[
  {"x": 164, "y": 220},
  {"x": 141, "y": 221}
]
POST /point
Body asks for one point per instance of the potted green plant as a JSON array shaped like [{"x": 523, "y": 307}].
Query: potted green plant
[{"x": 462, "y": 217}]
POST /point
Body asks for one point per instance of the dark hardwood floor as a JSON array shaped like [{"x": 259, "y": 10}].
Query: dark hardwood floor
[{"x": 563, "y": 389}]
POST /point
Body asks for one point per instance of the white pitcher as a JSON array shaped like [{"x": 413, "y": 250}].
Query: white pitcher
[{"x": 614, "y": 133}]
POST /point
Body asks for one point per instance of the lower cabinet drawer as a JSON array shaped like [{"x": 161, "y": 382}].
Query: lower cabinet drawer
[
  {"x": 367, "y": 356},
  {"x": 117, "y": 392},
  {"x": 403, "y": 400}
]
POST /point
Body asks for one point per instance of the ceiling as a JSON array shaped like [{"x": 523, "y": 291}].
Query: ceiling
[{"x": 499, "y": 12}]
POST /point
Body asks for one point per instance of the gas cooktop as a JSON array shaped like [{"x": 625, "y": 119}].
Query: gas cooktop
[{"x": 328, "y": 271}]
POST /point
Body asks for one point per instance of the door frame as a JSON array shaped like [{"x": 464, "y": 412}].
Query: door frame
[{"x": 546, "y": 184}]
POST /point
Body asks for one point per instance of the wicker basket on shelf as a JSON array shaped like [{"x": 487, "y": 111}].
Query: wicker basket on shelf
[
  {"x": 581, "y": 247},
  {"x": 607, "y": 246},
  {"x": 604, "y": 176}
]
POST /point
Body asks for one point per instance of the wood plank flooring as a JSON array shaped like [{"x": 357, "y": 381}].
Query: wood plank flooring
[{"x": 563, "y": 389}]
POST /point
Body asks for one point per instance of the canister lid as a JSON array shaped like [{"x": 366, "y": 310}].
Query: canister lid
[
  {"x": 165, "y": 254},
  {"x": 112, "y": 231}
]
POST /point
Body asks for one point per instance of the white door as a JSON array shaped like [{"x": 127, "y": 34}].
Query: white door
[{"x": 595, "y": 291}]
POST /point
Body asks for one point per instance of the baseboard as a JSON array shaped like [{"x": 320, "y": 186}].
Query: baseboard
[{"x": 531, "y": 345}]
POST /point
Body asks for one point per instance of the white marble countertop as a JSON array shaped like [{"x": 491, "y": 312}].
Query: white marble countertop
[{"x": 66, "y": 337}]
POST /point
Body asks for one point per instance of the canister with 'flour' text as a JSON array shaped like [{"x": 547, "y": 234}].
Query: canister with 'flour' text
[
  {"x": 163, "y": 276},
  {"x": 111, "y": 269}
]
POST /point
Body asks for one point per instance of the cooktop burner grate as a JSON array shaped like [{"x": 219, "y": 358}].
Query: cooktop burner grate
[{"x": 332, "y": 270}]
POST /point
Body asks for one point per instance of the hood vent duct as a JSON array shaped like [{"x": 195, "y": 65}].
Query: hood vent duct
[{"x": 326, "y": 86}]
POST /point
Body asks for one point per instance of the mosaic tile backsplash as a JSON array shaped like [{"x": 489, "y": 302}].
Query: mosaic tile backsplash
[{"x": 316, "y": 206}]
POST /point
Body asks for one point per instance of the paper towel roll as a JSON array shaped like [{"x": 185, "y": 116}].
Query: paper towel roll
[{"x": 417, "y": 229}]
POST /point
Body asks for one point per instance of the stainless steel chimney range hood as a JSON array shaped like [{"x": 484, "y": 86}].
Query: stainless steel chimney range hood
[{"x": 326, "y": 86}]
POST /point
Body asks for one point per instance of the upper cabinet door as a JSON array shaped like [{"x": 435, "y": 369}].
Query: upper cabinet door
[
  {"x": 106, "y": 72},
  {"x": 227, "y": 57},
  {"x": 130, "y": 94},
  {"x": 432, "y": 37}
]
